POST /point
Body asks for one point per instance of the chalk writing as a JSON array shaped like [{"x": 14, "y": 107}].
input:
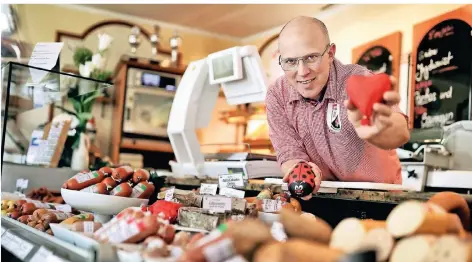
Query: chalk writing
[
  {"x": 436, "y": 120},
  {"x": 447, "y": 94},
  {"x": 424, "y": 70},
  {"x": 443, "y": 32}
]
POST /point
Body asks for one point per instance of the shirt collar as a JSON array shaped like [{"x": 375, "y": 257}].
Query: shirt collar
[{"x": 330, "y": 89}]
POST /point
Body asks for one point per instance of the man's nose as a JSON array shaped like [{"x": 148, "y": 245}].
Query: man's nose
[{"x": 303, "y": 70}]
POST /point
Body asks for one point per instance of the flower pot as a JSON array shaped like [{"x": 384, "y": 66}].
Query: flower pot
[{"x": 80, "y": 155}]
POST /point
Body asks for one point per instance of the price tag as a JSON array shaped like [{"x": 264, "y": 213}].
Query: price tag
[
  {"x": 269, "y": 205},
  {"x": 231, "y": 180},
  {"x": 64, "y": 208},
  {"x": 208, "y": 189},
  {"x": 16, "y": 245},
  {"x": 284, "y": 187},
  {"x": 217, "y": 204},
  {"x": 25, "y": 183},
  {"x": 278, "y": 231},
  {"x": 169, "y": 194},
  {"x": 231, "y": 192},
  {"x": 273, "y": 181},
  {"x": 41, "y": 255}
]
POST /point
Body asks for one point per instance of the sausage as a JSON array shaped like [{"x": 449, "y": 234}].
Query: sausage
[
  {"x": 214, "y": 247},
  {"x": 122, "y": 174},
  {"x": 181, "y": 239},
  {"x": 14, "y": 215},
  {"x": 29, "y": 208},
  {"x": 99, "y": 188},
  {"x": 41, "y": 227},
  {"x": 25, "y": 219},
  {"x": 55, "y": 217},
  {"x": 133, "y": 231},
  {"x": 32, "y": 223},
  {"x": 38, "y": 213},
  {"x": 414, "y": 217},
  {"x": 450, "y": 248},
  {"x": 110, "y": 183},
  {"x": 166, "y": 232},
  {"x": 83, "y": 180},
  {"x": 86, "y": 226},
  {"x": 107, "y": 171},
  {"x": 452, "y": 202},
  {"x": 413, "y": 249},
  {"x": 305, "y": 227},
  {"x": 141, "y": 175},
  {"x": 123, "y": 190},
  {"x": 143, "y": 190}
]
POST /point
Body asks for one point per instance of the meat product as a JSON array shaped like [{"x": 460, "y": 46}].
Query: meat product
[
  {"x": 107, "y": 171},
  {"x": 298, "y": 226},
  {"x": 88, "y": 227},
  {"x": 449, "y": 248},
  {"x": 14, "y": 215},
  {"x": 99, "y": 188},
  {"x": 41, "y": 227},
  {"x": 80, "y": 217},
  {"x": 38, "y": 213},
  {"x": 55, "y": 217},
  {"x": 215, "y": 247},
  {"x": 143, "y": 190},
  {"x": 122, "y": 174},
  {"x": 132, "y": 231},
  {"x": 165, "y": 209},
  {"x": 123, "y": 190},
  {"x": 166, "y": 232},
  {"x": 307, "y": 251},
  {"x": 452, "y": 202},
  {"x": 247, "y": 236},
  {"x": 413, "y": 217},
  {"x": 29, "y": 208},
  {"x": 110, "y": 183},
  {"x": 181, "y": 239},
  {"x": 25, "y": 219},
  {"x": 83, "y": 180},
  {"x": 353, "y": 234},
  {"x": 141, "y": 175},
  {"x": 413, "y": 249}
]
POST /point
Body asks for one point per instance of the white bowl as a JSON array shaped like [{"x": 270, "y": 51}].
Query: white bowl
[{"x": 98, "y": 203}]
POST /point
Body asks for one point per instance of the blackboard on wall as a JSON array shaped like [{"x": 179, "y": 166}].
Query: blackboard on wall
[{"x": 441, "y": 75}]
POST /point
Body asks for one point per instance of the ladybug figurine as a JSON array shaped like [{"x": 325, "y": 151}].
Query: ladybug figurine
[{"x": 301, "y": 180}]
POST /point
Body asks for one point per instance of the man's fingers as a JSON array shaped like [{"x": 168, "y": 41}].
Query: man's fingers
[
  {"x": 393, "y": 81},
  {"x": 382, "y": 122},
  {"x": 382, "y": 109},
  {"x": 391, "y": 97}
]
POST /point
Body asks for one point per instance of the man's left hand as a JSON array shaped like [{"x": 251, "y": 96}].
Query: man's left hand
[{"x": 381, "y": 117}]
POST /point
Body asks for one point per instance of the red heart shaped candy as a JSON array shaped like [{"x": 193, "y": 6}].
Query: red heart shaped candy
[{"x": 365, "y": 91}]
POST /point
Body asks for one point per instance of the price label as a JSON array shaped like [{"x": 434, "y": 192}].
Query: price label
[
  {"x": 41, "y": 255},
  {"x": 231, "y": 192},
  {"x": 208, "y": 189},
  {"x": 169, "y": 194},
  {"x": 270, "y": 180},
  {"x": 269, "y": 205},
  {"x": 64, "y": 208},
  {"x": 217, "y": 204},
  {"x": 231, "y": 180},
  {"x": 278, "y": 232},
  {"x": 16, "y": 245}
]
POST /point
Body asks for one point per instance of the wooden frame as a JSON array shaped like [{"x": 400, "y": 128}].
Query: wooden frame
[
  {"x": 391, "y": 42},
  {"x": 419, "y": 30}
]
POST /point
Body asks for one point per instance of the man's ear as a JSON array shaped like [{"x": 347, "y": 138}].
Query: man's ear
[{"x": 332, "y": 52}]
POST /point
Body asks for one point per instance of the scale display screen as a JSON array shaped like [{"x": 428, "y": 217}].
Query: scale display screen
[{"x": 156, "y": 80}]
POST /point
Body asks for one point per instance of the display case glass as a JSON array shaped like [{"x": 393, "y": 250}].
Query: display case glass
[{"x": 33, "y": 132}]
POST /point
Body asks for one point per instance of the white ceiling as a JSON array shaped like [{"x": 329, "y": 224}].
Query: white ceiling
[{"x": 234, "y": 20}]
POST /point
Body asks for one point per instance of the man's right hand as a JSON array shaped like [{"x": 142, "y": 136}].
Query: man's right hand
[{"x": 288, "y": 166}]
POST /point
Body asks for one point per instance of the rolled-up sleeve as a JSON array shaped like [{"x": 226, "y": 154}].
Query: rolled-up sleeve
[{"x": 286, "y": 142}]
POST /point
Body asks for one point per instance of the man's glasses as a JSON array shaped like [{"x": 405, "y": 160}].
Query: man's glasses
[{"x": 311, "y": 60}]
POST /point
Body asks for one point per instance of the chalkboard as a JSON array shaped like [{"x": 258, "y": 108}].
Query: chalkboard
[
  {"x": 377, "y": 59},
  {"x": 443, "y": 75}
]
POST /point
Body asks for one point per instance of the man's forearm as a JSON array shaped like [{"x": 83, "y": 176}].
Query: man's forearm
[{"x": 394, "y": 136}]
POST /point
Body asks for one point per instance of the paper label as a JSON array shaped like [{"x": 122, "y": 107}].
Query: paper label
[
  {"x": 62, "y": 216},
  {"x": 64, "y": 208},
  {"x": 284, "y": 187},
  {"x": 116, "y": 190},
  {"x": 278, "y": 231},
  {"x": 219, "y": 251},
  {"x": 269, "y": 205},
  {"x": 231, "y": 180},
  {"x": 138, "y": 190},
  {"x": 273, "y": 181},
  {"x": 217, "y": 204},
  {"x": 81, "y": 178},
  {"x": 89, "y": 226},
  {"x": 231, "y": 192},
  {"x": 123, "y": 231},
  {"x": 44, "y": 56},
  {"x": 39, "y": 204},
  {"x": 90, "y": 189},
  {"x": 16, "y": 245},
  {"x": 169, "y": 194},
  {"x": 41, "y": 255},
  {"x": 208, "y": 189}
]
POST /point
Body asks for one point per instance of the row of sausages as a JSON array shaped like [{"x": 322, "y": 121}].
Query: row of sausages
[{"x": 121, "y": 181}]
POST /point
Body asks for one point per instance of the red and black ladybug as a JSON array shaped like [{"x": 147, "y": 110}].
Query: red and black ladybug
[{"x": 301, "y": 180}]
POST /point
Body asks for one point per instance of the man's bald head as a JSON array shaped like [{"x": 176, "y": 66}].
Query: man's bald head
[{"x": 304, "y": 24}]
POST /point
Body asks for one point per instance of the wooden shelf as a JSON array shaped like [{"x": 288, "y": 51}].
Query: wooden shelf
[{"x": 146, "y": 144}]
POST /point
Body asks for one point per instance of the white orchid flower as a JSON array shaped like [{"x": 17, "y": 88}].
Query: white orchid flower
[
  {"x": 87, "y": 69},
  {"x": 104, "y": 41},
  {"x": 98, "y": 61}
]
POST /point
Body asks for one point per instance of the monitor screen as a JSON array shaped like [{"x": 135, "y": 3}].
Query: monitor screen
[
  {"x": 156, "y": 80},
  {"x": 223, "y": 66}
]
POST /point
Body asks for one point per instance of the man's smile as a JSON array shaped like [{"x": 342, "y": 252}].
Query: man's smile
[{"x": 306, "y": 81}]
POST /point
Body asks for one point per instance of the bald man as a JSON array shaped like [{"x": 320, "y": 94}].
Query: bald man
[{"x": 311, "y": 119}]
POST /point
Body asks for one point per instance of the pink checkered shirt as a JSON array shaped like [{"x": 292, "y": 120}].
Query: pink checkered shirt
[{"x": 299, "y": 129}]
